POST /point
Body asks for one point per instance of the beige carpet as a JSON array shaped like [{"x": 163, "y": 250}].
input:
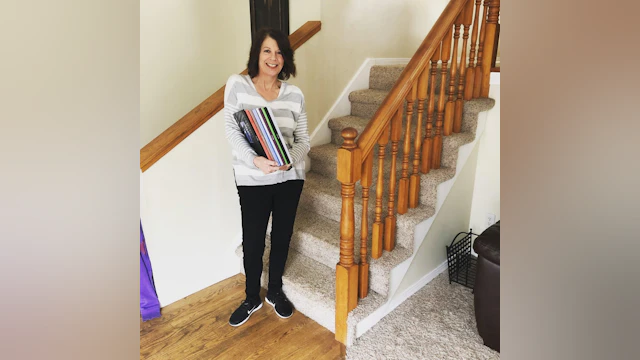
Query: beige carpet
[{"x": 437, "y": 322}]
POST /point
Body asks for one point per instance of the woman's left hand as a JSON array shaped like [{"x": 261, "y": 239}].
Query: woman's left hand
[{"x": 284, "y": 168}]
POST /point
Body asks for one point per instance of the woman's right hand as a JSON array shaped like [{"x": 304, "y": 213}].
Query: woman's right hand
[{"x": 265, "y": 165}]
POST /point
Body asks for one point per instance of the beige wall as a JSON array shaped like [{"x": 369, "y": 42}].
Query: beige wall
[
  {"x": 188, "y": 49},
  {"x": 301, "y": 11},
  {"x": 351, "y": 32}
]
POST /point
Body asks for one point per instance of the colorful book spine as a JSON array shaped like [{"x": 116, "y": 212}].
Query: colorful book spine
[
  {"x": 280, "y": 137},
  {"x": 276, "y": 138},
  {"x": 269, "y": 136},
  {"x": 258, "y": 132}
]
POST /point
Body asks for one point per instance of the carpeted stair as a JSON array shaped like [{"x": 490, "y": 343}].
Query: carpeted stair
[{"x": 309, "y": 277}]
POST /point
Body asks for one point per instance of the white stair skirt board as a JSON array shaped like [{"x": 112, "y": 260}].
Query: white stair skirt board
[
  {"x": 367, "y": 323},
  {"x": 342, "y": 107}
]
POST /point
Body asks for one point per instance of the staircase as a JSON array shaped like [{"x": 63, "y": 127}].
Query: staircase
[{"x": 310, "y": 275}]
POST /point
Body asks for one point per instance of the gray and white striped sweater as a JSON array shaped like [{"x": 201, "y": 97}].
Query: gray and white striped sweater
[{"x": 291, "y": 116}]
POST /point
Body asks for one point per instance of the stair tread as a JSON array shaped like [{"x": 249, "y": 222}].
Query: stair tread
[
  {"x": 329, "y": 151},
  {"x": 342, "y": 122},
  {"x": 328, "y": 231},
  {"x": 392, "y": 66},
  {"x": 368, "y": 96},
  {"x": 376, "y": 96},
  {"x": 332, "y": 188}
]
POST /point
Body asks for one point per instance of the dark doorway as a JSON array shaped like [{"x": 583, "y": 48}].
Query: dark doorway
[{"x": 269, "y": 13}]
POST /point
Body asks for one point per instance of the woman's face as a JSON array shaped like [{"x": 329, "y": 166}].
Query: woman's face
[{"x": 271, "y": 59}]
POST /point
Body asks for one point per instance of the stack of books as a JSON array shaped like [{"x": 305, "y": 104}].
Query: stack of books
[{"x": 263, "y": 134}]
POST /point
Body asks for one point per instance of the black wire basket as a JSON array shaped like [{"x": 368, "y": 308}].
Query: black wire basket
[{"x": 460, "y": 261}]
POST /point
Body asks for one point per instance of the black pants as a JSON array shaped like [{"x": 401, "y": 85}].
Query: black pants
[{"x": 256, "y": 204}]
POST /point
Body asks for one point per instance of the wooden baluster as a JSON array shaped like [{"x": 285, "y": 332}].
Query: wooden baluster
[
  {"x": 437, "y": 140},
  {"x": 403, "y": 186},
  {"x": 377, "y": 232},
  {"x": 489, "y": 43},
  {"x": 477, "y": 82},
  {"x": 349, "y": 172},
  {"x": 450, "y": 108},
  {"x": 414, "y": 182},
  {"x": 390, "y": 220},
  {"x": 363, "y": 283},
  {"x": 427, "y": 142},
  {"x": 471, "y": 70},
  {"x": 466, "y": 24}
]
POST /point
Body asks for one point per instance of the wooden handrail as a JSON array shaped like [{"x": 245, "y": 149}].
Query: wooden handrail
[
  {"x": 409, "y": 75},
  {"x": 171, "y": 137}
]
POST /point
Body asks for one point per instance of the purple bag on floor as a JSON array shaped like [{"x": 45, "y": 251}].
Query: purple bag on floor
[{"x": 149, "y": 304}]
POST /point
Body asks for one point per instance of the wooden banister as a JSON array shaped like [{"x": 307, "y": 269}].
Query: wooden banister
[
  {"x": 171, "y": 137},
  {"x": 356, "y": 158},
  {"x": 409, "y": 75}
]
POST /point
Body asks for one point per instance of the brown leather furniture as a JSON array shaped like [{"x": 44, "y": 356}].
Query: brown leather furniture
[{"x": 487, "y": 286}]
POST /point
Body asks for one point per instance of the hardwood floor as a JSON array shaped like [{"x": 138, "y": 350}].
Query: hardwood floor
[{"x": 197, "y": 327}]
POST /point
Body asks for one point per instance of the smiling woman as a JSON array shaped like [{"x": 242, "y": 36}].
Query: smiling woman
[{"x": 266, "y": 189}]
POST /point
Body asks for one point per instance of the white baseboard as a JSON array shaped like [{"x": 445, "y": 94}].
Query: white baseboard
[{"x": 368, "y": 322}]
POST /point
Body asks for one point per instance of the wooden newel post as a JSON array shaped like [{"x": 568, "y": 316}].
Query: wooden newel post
[
  {"x": 349, "y": 172},
  {"x": 489, "y": 44}
]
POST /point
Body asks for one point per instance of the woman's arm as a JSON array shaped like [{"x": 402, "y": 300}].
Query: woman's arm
[{"x": 301, "y": 139}]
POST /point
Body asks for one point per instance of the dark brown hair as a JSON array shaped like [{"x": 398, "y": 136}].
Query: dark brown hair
[{"x": 288, "y": 68}]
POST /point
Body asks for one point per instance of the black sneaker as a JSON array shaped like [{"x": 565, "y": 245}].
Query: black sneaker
[
  {"x": 243, "y": 313},
  {"x": 281, "y": 304}
]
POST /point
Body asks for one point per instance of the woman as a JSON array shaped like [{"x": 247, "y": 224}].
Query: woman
[{"x": 264, "y": 187}]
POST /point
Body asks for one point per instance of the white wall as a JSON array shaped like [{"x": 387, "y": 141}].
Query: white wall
[
  {"x": 452, "y": 218},
  {"x": 351, "y": 32},
  {"x": 188, "y": 49},
  {"x": 486, "y": 194},
  {"x": 191, "y": 214},
  {"x": 301, "y": 11}
]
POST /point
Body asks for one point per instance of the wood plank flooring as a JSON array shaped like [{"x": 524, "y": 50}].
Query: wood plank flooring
[{"x": 197, "y": 327}]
